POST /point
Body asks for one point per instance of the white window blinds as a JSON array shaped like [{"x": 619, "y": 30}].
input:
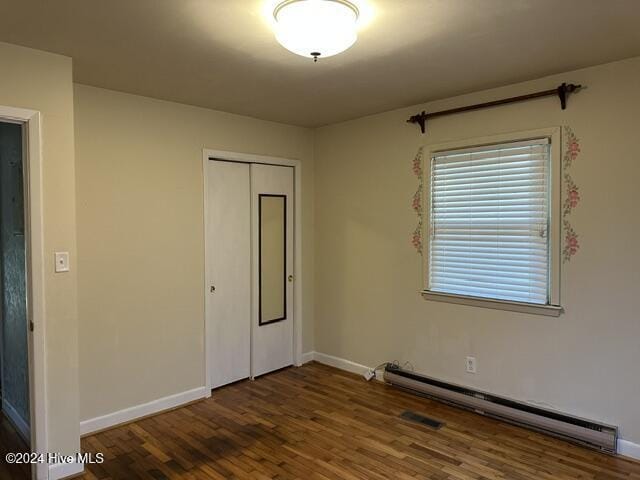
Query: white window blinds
[{"x": 489, "y": 222}]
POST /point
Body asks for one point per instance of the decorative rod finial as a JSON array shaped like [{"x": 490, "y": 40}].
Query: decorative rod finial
[
  {"x": 563, "y": 93},
  {"x": 420, "y": 119}
]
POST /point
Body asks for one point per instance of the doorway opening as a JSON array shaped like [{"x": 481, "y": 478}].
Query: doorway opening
[
  {"x": 15, "y": 406},
  {"x": 23, "y": 421}
]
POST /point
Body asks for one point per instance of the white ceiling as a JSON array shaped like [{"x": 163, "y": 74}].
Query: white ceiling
[{"x": 221, "y": 54}]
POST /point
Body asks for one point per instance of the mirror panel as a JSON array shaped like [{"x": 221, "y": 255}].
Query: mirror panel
[{"x": 272, "y": 246}]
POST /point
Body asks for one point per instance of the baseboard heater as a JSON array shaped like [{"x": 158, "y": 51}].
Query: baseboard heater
[{"x": 577, "y": 430}]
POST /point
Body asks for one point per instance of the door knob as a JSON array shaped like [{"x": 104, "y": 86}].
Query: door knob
[
  {"x": 213, "y": 288},
  {"x": 290, "y": 278}
]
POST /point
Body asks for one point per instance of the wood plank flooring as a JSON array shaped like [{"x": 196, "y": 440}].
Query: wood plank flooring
[
  {"x": 11, "y": 441},
  {"x": 319, "y": 423}
]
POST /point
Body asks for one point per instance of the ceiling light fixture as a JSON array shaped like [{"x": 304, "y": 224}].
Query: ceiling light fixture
[{"x": 316, "y": 28}]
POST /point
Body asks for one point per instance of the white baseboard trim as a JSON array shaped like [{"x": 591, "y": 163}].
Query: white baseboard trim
[
  {"x": 340, "y": 363},
  {"x": 142, "y": 410},
  {"x": 307, "y": 357},
  {"x": 64, "y": 470},
  {"x": 14, "y": 417},
  {"x": 629, "y": 449}
]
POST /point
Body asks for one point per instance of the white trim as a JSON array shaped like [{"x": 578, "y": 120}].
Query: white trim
[
  {"x": 629, "y": 449},
  {"x": 298, "y": 299},
  {"x": 16, "y": 420},
  {"x": 532, "y": 308},
  {"x": 35, "y": 277},
  {"x": 340, "y": 363},
  {"x": 143, "y": 410},
  {"x": 307, "y": 357},
  {"x": 555, "y": 215},
  {"x": 64, "y": 470}
]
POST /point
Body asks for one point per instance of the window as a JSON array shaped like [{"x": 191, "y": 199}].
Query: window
[{"x": 490, "y": 231}]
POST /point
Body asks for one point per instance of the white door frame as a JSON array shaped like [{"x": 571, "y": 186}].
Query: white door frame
[
  {"x": 35, "y": 277},
  {"x": 297, "y": 247}
]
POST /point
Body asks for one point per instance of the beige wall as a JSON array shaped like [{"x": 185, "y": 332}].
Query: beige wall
[
  {"x": 41, "y": 81},
  {"x": 140, "y": 239},
  {"x": 369, "y": 275}
]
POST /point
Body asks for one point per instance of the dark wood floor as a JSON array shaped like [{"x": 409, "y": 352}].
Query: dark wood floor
[
  {"x": 11, "y": 441},
  {"x": 317, "y": 422}
]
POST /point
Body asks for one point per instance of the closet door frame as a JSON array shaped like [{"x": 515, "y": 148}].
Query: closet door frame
[{"x": 210, "y": 155}]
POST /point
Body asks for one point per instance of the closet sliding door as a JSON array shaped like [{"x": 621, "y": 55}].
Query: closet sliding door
[
  {"x": 249, "y": 298},
  {"x": 272, "y": 254},
  {"x": 228, "y": 271}
]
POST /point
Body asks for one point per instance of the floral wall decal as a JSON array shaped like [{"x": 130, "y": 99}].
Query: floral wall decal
[
  {"x": 416, "y": 203},
  {"x": 571, "y": 244},
  {"x": 572, "y": 149},
  {"x": 571, "y": 195}
]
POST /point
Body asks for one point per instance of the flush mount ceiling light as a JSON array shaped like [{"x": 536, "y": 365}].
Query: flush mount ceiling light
[{"x": 316, "y": 28}]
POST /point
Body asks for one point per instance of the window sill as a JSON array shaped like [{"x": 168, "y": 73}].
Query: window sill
[{"x": 548, "y": 310}]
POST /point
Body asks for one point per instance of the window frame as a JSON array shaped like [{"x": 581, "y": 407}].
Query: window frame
[{"x": 552, "y": 308}]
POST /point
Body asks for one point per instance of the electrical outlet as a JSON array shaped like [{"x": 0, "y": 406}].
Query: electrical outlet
[{"x": 471, "y": 365}]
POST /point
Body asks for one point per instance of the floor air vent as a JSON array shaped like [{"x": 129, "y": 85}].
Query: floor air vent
[
  {"x": 585, "y": 432},
  {"x": 417, "y": 418}
]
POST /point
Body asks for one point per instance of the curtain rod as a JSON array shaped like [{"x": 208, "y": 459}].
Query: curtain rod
[{"x": 562, "y": 92}]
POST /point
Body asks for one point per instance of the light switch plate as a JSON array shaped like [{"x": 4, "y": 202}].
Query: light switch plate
[{"x": 62, "y": 262}]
